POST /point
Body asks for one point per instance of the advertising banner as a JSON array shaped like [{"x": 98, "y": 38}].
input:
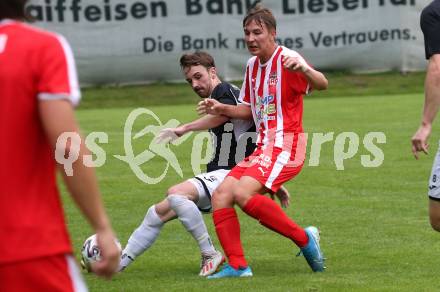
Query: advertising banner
[{"x": 141, "y": 41}]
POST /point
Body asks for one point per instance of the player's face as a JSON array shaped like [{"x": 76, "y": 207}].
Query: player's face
[
  {"x": 201, "y": 79},
  {"x": 259, "y": 40}
]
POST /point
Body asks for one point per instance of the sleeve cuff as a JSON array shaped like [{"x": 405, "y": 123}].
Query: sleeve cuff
[{"x": 55, "y": 96}]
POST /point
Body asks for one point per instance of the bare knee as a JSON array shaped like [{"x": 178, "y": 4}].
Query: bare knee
[
  {"x": 164, "y": 211},
  {"x": 173, "y": 190},
  {"x": 435, "y": 222},
  {"x": 222, "y": 198},
  {"x": 180, "y": 190},
  {"x": 434, "y": 214},
  {"x": 241, "y": 196}
]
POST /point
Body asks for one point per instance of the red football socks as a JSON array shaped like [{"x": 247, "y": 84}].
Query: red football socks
[
  {"x": 273, "y": 217},
  {"x": 228, "y": 232}
]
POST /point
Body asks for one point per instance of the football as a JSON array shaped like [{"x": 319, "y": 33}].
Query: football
[{"x": 91, "y": 253}]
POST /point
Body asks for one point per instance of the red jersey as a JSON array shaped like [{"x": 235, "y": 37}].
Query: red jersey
[
  {"x": 34, "y": 65},
  {"x": 276, "y": 98}
]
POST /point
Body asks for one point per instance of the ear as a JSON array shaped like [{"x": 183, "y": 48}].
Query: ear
[
  {"x": 273, "y": 33},
  {"x": 213, "y": 72}
]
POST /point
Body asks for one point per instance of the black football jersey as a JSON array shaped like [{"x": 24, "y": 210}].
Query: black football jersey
[{"x": 233, "y": 140}]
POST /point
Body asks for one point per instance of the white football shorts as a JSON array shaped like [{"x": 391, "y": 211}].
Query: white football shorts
[
  {"x": 434, "y": 180},
  {"x": 206, "y": 183}
]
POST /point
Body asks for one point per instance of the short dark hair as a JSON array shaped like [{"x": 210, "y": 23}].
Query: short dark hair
[
  {"x": 260, "y": 15},
  {"x": 13, "y": 9},
  {"x": 197, "y": 58}
]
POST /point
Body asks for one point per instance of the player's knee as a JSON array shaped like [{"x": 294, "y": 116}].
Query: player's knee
[
  {"x": 221, "y": 198},
  {"x": 435, "y": 225},
  {"x": 216, "y": 196},
  {"x": 176, "y": 200},
  {"x": 152, "y": 218},
  {"x": 435, "y": 222},
  {"x": 173, "y": 190},
  {"x": 177, "y": 190},
  {"x": 241, "y": 196},
  {"x": 434, "y": 214}
]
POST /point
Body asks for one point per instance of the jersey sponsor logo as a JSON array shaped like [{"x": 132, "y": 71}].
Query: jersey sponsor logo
[
  {"x": 262, "y": 160},
  {"x": 262, "y": 171},
  {"x": 265, "y": 100},
  {"x": 273, "y": 79},
  {"x": 265, "y": 107},
  {"x": 3, "y": 40},
  {"x": 271, "y": 109}
]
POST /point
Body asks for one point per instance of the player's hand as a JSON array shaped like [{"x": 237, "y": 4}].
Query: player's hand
[
  {"x": 110, "y": 255},
  {"x": 420, "y": 140},
  {"x": 283, "y": 196},
  {"x": 295, "y": 63},
  {"x": 209, "y": 106},
  {"x": 168, "y": 135}
]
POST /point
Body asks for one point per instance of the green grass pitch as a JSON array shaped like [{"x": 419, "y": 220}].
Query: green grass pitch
[{"x": 374, "y": 225}]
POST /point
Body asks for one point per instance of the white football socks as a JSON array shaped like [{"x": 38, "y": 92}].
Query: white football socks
[
  {"x": 144, "y": 236},
  {"x": 192, "y": 220}
]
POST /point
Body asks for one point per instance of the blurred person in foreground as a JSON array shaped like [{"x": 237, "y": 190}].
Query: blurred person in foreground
[
  {"x": 38, "y": 91},
  {"x": 430, "y": 25}
]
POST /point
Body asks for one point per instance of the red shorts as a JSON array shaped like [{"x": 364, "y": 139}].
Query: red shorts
[
  {"x": 53, "y": 273},
  {"x": 272, "y": 166}
]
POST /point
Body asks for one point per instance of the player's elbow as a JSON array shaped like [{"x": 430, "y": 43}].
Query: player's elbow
[{"x": 322, "y": 84}]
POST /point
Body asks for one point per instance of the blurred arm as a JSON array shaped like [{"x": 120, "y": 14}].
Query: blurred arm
[{"x": 57, "y": 117}]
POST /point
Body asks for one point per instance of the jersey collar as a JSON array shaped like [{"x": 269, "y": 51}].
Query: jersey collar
[{"x": 271, "y": 57}]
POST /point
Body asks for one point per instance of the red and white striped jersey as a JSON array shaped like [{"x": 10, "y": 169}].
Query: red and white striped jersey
[
  {"x": 34, "y": 65},
  {"x": 276, "y": 98}
]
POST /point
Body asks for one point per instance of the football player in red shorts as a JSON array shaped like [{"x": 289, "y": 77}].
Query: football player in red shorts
[
  {"x": 275, "y": 81},
  {"x": 38, "y": 90}
]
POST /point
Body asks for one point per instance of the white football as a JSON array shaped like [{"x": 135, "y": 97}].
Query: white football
[{"x": 91, "y": 253}]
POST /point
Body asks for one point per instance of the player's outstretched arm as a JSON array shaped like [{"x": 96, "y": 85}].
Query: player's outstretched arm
[
  {"x": 168, "y": 135},
  {"x": 214, "y": 107},
  {"x": 57, "y": 117},
  {"x": 204, "y": 123},
  {"x": 431, "y": 106}
]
